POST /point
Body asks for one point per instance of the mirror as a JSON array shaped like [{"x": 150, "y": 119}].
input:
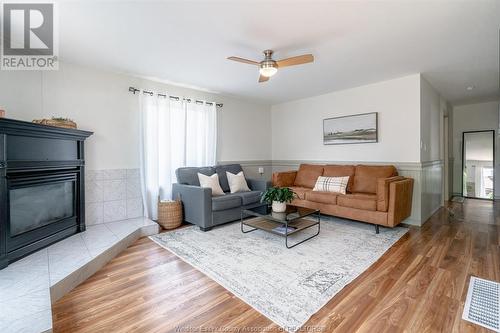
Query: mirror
[{"x": 477, "y": 164}]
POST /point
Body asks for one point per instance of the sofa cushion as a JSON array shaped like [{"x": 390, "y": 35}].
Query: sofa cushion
[
  {"x": 331, "y": 184},
  {"x": 211, "y": 182},
  {"x": 307, "y": 175},
  {"x": 322, "y": 197},
  {"x": 284, "y": 179},
  {"x": 300, "y": 191},
  {"x": 189, "y": 175},
  {"x": 358, "y": 200},
  {"x": 248, "y": 198},
  {"x": 365, "y": 177},
  {"x": 340, "y": 171},
  {"x": 237, "y": 183},
  {"x": 221, "y": 171},
  {"x": 227, "y": 201}
]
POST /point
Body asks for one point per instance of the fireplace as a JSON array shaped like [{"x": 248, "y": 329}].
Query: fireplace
[{"x": 41, "y": 186}]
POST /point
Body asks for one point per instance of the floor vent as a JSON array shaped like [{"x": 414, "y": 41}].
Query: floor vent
[{"x": 482, "y": 306}]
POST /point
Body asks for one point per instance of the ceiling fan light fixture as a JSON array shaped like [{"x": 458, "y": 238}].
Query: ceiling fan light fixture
[
  {"x": 268, "y": 67},
  {"x": 268, "y": 70}
]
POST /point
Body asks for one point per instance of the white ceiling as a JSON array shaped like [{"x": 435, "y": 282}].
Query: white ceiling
[{"x": 453, "y": 43}]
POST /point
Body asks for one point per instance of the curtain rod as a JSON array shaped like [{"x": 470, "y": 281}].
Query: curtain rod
[{"x": 134, "y": 90}]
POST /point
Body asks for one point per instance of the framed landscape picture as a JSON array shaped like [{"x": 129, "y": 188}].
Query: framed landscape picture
[{"x": 359, "y": 128}]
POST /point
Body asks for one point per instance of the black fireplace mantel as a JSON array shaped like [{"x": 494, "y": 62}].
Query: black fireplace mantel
[{"x": 34, "y": 157}]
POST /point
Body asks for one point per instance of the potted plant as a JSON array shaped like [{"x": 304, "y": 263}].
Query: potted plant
[{"x": 278, "y": 197}]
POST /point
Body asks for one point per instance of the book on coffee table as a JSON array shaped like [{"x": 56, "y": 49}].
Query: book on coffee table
[{"x": 283, "y": 230}]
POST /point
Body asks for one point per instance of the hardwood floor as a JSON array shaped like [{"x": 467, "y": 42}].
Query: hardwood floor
[{"x": 419, "y": 285}]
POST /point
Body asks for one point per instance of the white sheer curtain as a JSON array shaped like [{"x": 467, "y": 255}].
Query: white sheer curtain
[{"x": 172, "y": 134}]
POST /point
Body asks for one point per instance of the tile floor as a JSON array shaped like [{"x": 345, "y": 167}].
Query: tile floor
[{"x": 28, "y": 286}]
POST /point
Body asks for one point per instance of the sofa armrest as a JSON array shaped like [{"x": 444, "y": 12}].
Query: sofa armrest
[
  {"x": 400, "y": 200},
  {"x": 284, "y": 179},
  {"x": 383, "y": 192},
  {"x": 196, "y": 202},
  {"x": 258, "y": 184}
]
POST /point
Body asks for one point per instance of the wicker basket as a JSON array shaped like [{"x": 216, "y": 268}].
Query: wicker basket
[
  {"x": 169, "y": 214},
  {"x": 56, "y": 123}
]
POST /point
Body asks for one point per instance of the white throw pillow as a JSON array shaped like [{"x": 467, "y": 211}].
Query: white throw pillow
[
  {"x": 211, "y": 182},
  {"x": 331, "y": 184},
  {"x": 237, "y": 183}
]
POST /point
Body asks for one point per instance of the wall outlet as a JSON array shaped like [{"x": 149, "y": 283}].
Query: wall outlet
[{"x": 261, "y": 171}]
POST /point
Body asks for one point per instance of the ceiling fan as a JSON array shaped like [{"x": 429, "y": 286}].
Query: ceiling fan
[{"x": 268, "y": 67}]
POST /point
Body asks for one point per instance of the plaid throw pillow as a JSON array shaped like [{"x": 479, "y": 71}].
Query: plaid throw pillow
[{"x": 331, "y": 184}]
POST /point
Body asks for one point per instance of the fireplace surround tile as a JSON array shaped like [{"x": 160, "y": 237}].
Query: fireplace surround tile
[
  {"x": 94, "y": 191},
  {"x": 133, "y": 173},
  {"x": 24, "y": 276},
  {"x": 114, "y": 189},
  {"x": 29, "y": 311},
  {"x": 26, "y": 291},
  {"x": 35, "y": 322},
  {"x": 122, "y": 228},
  {"x": 109, "y": 195},
  {"x": 133, "y": 188},
  {"x": 94, "y": 213},
  {"x": 113, "y": 174},
  {"x": 98, "y": 236},
  {"x": 134, "y": 208},
  {"x": 114, "y": 210}
]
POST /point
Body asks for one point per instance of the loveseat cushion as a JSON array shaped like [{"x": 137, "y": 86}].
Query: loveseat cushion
[
  {"x": 300, "y": 191},
  {"x": 189, "y": 175},
  {"x": 322, "y": 197},
  {"x": 307, "y": 175},
  {"x": 221, "y": 171},
  {"x": 248, "y": 198},
  {"x": 227, "y": 201},
  {"x": 340, "y": 171},
  {"x": 358, "y": 200},
  {"x": 365, "y": 177}
]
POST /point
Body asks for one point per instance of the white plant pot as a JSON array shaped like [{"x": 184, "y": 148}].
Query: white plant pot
[{"x": 279, "y": 207}]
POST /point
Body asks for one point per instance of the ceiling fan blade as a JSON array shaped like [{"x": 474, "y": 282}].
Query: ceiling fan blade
[
  {"x": 245, "y": 61},
  {"x": 298, "y": 60},
  {"x": 263, "y": 78}
]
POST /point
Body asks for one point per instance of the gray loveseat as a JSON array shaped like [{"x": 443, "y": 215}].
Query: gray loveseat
[{"x": 201, "y": 208}]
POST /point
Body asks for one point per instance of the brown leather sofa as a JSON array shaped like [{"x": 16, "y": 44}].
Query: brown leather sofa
[{"x": 375, "y": 194}]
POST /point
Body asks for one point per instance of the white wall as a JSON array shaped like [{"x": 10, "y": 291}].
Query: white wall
[
  {"x": 474, "y": 117},
  {"x": 410, "y": 114},
  {"x": 99, "y": 101},
  {"x": 430, "y": 122},
  {"x": 432, "y": 110},
  {"x": 297, "y": 126}
]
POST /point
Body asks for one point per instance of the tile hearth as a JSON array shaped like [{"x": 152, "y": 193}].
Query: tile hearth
[{"x": 30, "y": 285}]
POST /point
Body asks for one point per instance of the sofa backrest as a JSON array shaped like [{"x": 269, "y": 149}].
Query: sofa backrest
[
  {"x": 365, "y": 177},
  {"x": 221, "y": 171},
  {"x": 189, "y": 175},
  {"x": 362, "y": 178},
  {"x": 307, "y": 175},
  {"x": 331, "y": 170}
]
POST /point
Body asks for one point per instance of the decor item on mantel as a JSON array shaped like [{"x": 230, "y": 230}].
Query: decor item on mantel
[
  {"x": 56, "y": 122},
  {"x": 359, "y": 128},
  {"x": 2, "y": 113},
  {"x": 278, "y": 197}
]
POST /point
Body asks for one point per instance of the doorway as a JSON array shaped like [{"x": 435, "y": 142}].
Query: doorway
[{"x": 478, "y": 155}]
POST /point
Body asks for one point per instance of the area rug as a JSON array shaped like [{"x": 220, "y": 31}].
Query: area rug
[{"x": 286, "y": 285}]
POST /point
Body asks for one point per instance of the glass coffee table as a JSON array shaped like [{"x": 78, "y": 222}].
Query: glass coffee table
[{"x": 285, "y": 224}]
